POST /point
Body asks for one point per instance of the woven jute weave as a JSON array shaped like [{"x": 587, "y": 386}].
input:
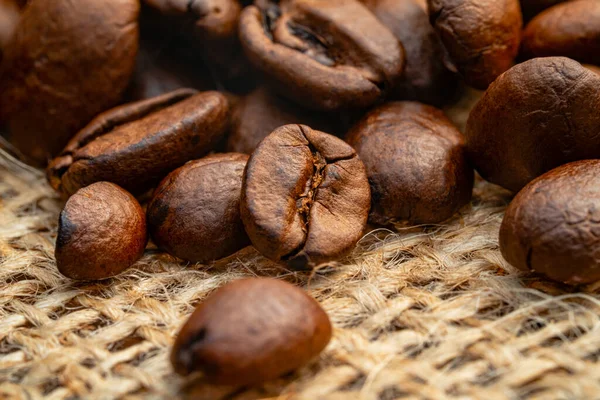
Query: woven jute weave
[{"x": 419, "y": 313}]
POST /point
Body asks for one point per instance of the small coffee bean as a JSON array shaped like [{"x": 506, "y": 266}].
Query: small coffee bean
[
  {"x": 415, "y": 162},
  {"x": 425, "y": 77},
  {"x": 138, "y": 144},
  {"x": 538, "y": 115},
  {"x": 531, "y": 8},
  {"x": 261, "y": 112},
  {"x": 101, "y": 233},
  {"x": 570, "y": 29},
  {"x": 251, "y": 331},
  {"x": 324, "y": 55},
  {"x": 481, "y": 37},
  {"x": 553, "y": 225},
  {"x": 305, "y": 197},
  {"x": 195, "y": 212},
  {"x": 66, "y": 62}
]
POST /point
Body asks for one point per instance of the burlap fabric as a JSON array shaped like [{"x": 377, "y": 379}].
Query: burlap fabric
[{"x": 419, "y": 313}]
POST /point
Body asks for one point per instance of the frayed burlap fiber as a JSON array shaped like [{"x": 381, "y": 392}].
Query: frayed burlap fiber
[{"x": 419, "y": 313}]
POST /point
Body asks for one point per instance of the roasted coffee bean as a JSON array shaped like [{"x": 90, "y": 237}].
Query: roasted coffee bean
[
  {"x": 481, "y": 37},
  {"x": 251, "y": 331},
  {"x": 415, "y": 162},
  {"x": 66, "y": 62},
  {"x": 553, "y": 225},
  {"x": 425, "y": 77},
  {"x": 138, "y": 144},
  {"x": 101, "y": 233},
  {"x": 325, "y": 55},
  {"x": 305, "y": 197},
  {"x": 195, "y": 212},
  {"x": 260, "y": 112},
  {"x": 538, "y": 115},
  {"x": 571, "y": 30},
  {"x": 531, "y": 8},
  {"x": 208, "y": 26}
]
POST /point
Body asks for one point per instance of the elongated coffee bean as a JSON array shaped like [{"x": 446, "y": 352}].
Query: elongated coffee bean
[
  {"x": 251, "y": 331},
  {"x": 305, "y": 197}
]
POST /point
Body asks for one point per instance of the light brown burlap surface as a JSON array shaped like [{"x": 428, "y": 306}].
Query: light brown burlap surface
[{"x": 426, "y": 312}]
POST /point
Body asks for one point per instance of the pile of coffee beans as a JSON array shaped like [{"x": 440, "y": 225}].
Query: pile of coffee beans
[{"x": 295, "y": 126}]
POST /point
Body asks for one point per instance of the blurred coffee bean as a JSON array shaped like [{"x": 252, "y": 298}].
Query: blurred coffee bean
[
  {"x": 326, "y": 55},
  {"x": 481, "y": 37},
  {"x": 260, "y": 112},
  {"x": 425, "y": 77},
  {"x": 10, "y": 12},
  {"x": 101, "y": 232},
  {"x": 138, "y": 144},
  {"x": 55, "y": 77},
  {"x": 531, "y": 8},
  {"x": 195, "y": 212}
]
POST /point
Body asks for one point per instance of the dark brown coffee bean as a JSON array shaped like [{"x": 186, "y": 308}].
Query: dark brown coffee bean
[
  {"x": 195, "y": 212},
  {"x": 323, "y": 54},
  {"x": 137, "y": 144},
  {"x": 101, "y": 233},
  {"x": 415, "y": 162},
  {"x": 209, "y": 27},
  {"x": 538, "y": 115},
  {"x": 571, "y": 30},
  {"x": 553, "y": 225},
  {"x": 531, "y": 8},
  {"x": 425, "y": 77},
  {"x": 305, "y": 197},
  {"x": 261, "y": 112},
  {"x": 55, "y": 77},
  {"x": 481, "y": 37},
  {"x": 251, "y": 331}
]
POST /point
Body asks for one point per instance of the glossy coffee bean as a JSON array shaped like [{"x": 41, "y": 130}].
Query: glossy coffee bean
[
  {"x": 425, "y": 77},
  {"x": 55, "y": 77},
  {"x": 138, "y": 144},
  {"x": 195, "y": 212},
  {"x": 305, "y": 197},
  {"x": 553, "y": 225},
  {"x": 324, "y": 55},
  {"x": 251, "y": 331},
  {"x": 571, "y": 30},
  {"x": 261, "y": 112},
  {"x": 531, "y": 8},
  {"x": 538, "y": 115},
  {"x": 481, "y": 37},
  {"x": 415, "y": 162},
  {"x": 101, "y": 233}
]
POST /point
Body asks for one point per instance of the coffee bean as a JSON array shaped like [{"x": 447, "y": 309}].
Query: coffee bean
[
  {"x": 538, "y": 115},
  {"x": 261, "y": 112},
  {"x": 305, "y": 197},
  {"x": 531, "y": 8},
  {"x": 553, "y": 225},
  {"x": 195, "y": 212},
  {"x": 101, "y": 233},
  {"x": 251, "y": 331},
  {"x": 593, "y": 68},
  {"x": 571, "y": 30},
  {"x": 137, "y": 144},
  {"x": 324, "y": 55},
  {"x": 481, "y": 37},
  {"x": 415, "y": 162},
  {"x": 425, "y": 77},
  {"x": 57, "y": 76},
  {"x": 10, "y": 13}
]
